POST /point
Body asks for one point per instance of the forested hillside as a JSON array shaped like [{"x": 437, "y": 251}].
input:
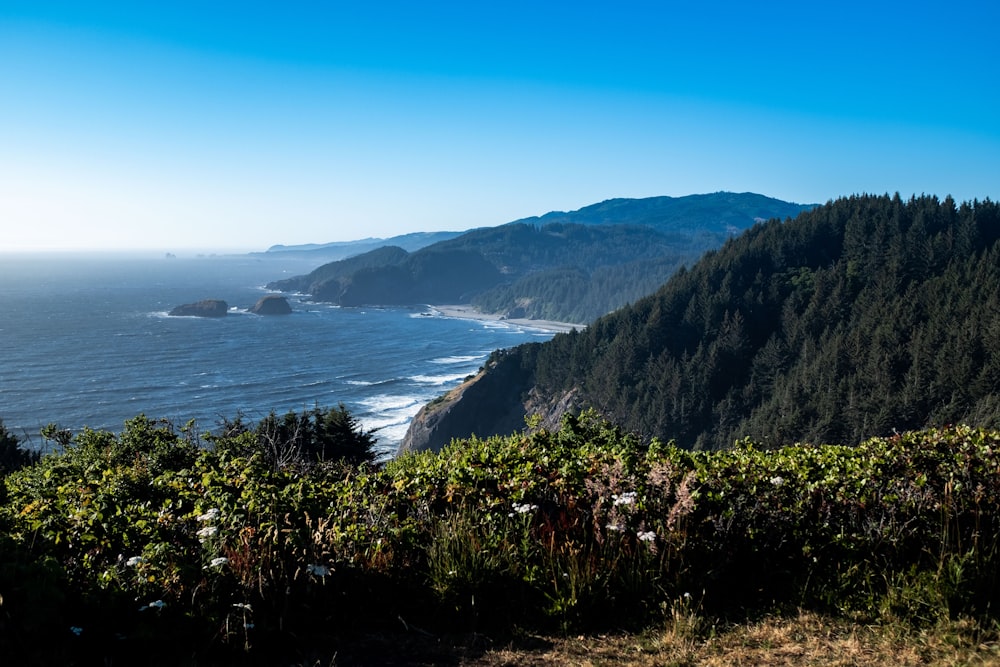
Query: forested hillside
[
  {"x": 571, "y": 267},
  {"x": 723, "y": 213},
  {"x": 867, "y": 315}
]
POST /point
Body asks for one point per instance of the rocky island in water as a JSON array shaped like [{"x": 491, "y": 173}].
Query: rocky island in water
[
  {"x": 203, "y": 308},
  {"x": 272, "y": 304}
]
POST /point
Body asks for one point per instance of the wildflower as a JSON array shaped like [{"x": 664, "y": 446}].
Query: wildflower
[
  {"x": 135, "y": 560},
  {"x": 318, "y": 570},
  {"x": 76, "y": 630},
  {"x": 524, "y": 508},
  {"x": 156, "y": 604},
  {"x": 206, "y": 532},
  {"x": 646, "y": 536},
  {"x": 777, "y": 480},
  {"x": 216, "y": 562},
  {"x": 627, "y": 498},
  {"x": 210, "y": 515},
  {"x": 614, "y": 528}
]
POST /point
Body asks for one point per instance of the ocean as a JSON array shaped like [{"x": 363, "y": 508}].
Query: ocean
[{"x": 85, "y": 341}]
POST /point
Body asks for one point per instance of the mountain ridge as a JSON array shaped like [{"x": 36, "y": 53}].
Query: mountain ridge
[
  {"x": 865, "y": 315},
  {"x": 551, "y": 267}
]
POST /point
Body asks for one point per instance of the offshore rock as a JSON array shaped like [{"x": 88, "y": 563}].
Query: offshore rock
[
  {"x": 204, "y": 308},
  {"x": 271, "y": 305}
]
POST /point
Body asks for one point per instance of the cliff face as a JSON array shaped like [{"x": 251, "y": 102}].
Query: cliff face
[{"x": 494, "y": 402}]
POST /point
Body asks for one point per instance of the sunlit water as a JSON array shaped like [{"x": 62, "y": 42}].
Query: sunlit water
[{"x": 85, "y": 340}]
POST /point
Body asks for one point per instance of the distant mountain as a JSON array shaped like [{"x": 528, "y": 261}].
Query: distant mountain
[
  {"x": 337, "y": 250},
  {"x": 716, "y": 213},
  {"x": 861, "y": 317},
  {"x": 561, "y": 266}
]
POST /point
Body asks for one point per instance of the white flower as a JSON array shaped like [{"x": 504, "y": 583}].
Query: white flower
[
  {"x": 135, "y": 560},
  {"x": 524, "y": 508},
  {"x": 318, "y": 570},
  {"x": 626, "y": 498},
  {"x": 613, "y": 527},
  {"x": 646, "y": 536},
  {"x": 216, "y": 562},
  {"x": 156, "y": 604},
  {"x": 777, "y": 480},
  {"x": 210, "y": 515},
  {"x": 207, "y": 531}
]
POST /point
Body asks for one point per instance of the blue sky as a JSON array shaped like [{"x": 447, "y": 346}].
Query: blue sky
[{"x": 224, "y": 126}]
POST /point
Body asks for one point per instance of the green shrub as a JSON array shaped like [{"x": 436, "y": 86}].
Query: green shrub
[{"x": 150, "y": 535}]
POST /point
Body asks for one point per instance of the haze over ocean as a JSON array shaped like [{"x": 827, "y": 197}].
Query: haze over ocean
[{"x": 87, "y": 342}]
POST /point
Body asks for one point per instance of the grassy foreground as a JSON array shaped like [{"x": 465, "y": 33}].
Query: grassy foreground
[
  {"x": 806, "y": 639},
  {"x": 159, "y": 546}
]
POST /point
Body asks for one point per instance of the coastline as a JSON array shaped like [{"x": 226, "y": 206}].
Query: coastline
[{"x": 467, "y": 312}]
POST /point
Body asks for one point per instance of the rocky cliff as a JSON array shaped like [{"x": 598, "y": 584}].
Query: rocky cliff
[{"x": 496, "y": 401}]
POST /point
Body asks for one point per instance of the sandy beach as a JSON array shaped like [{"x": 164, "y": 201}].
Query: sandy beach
[{"x": 467, "y": 312}]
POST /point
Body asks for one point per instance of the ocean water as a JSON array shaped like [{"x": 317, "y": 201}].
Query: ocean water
[{"x": 85, "y": 340}]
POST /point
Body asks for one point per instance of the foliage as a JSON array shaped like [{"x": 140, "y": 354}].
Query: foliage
[
  {"x": 150, "y": 536},
  {"x": 12, "y": 455},
  {"x": 320, "y": 435},
  {"x": 570, "y": 267},
  {"x": 861, "y": 317}
]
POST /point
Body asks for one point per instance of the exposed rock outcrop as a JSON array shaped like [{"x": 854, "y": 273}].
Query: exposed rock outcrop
[
  {"x": 204, "y": 308},
  {"x": 271, "y": 304},
  {"x": 491, "y": 403}
]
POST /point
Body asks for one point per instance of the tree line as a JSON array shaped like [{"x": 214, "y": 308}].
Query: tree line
[{"x": 864, "y": 316}]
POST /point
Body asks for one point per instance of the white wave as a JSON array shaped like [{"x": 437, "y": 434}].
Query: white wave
[
  {"x": 458, "y": 360},
  {"x": 390, "y": 416},
  {"x": 438, "y": 379},
  {"x": 504, "y": 326},
  {"x": 389, "y": 437},
  {"x": 386, "y": 402}
]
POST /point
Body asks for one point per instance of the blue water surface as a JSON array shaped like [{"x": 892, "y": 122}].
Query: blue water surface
[{"x": 85, "y": 340}]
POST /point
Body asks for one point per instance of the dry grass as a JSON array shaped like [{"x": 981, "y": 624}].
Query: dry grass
[{"x": 807, "y": 639}]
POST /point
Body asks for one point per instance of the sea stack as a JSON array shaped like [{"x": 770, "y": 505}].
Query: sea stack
[
  {"x": 204, "y": 308},
  {"x": 271, "y": 305}
]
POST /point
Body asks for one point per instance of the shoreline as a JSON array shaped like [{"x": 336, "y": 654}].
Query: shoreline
[{"x": 467, "y": 312}]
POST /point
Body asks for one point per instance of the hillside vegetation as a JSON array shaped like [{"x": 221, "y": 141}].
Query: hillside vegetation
[
  {"x": 864, "y": 316},
  {"x": 562, "y": 266},
  {"x": 155, "y": 546}
]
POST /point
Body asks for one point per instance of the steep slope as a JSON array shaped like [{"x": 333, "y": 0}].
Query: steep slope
[
  {"x": 392, "y": 276},
  {"x": 327, "y": 277},
  {"x": 865, "y": 315},
  {"x": 551, "y": 267}
]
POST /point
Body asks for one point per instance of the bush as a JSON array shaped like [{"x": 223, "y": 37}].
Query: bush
[{"x": 147, "y": 535}]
